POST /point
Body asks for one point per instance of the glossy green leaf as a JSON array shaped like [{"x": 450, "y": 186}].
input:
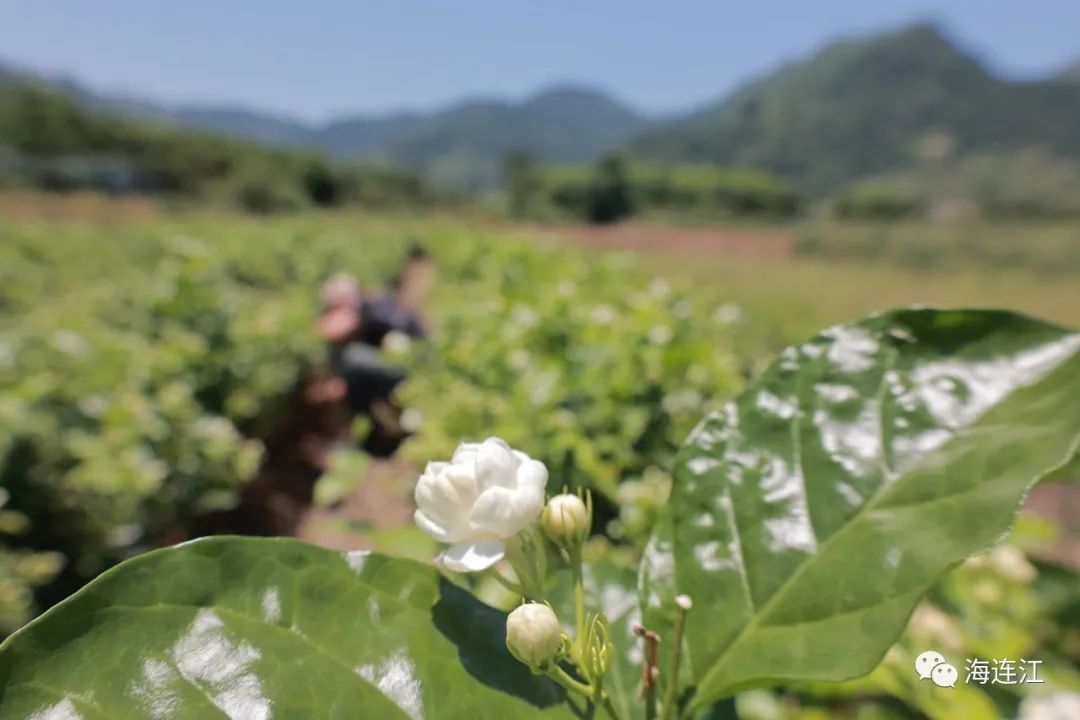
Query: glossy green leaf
[
  {"x": 256, "y": 629},
  {"x": 813, "y": 512}
]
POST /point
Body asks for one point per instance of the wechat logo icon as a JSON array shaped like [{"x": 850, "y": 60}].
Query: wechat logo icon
[{"x": 931, "y": 665}]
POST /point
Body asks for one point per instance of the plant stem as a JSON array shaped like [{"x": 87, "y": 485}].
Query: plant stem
[
  {"x": 671, "y": 694},
  {"x": 650, "y": 703},
  {"x": 560, "y": 676},
  {"x": 508, "y": 584},
  {"x": 605, "y": 702},
  {"x": 579, "y": 603},
  {"x": 649, "y": 669},
  {"x": 563, "y": 678}
]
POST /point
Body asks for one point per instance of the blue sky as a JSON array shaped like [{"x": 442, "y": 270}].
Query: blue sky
[{"x": 321, "y": 58}]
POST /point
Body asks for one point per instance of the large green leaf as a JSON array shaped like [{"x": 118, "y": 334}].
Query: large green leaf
[
  {"x": 811, "y": 514},
  {"x": 255, "y": 629}
]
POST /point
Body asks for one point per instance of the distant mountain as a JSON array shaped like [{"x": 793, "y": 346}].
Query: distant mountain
[
  {"x": 860, "y": 107},
  {"x": 245, "y": 124},
  {"x": 225, "y": 120},
  {"x": 469, "y": 142},
  {"x": 463, "y": 146},
  {"x": 868, "y": 106},
  {"x": 1071, "y": 73}
]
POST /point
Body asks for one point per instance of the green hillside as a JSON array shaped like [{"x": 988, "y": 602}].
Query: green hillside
[
  {"x": 461, "y": 147},
  {"x": 903, "y": 101},
  {"x": 868, "y": 106},
  {"x": 466, "y": 145},
  {"x": 50, "y": 140}
]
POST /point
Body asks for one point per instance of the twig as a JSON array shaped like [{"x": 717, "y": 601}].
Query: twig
[{"x": 650, "y": 670}]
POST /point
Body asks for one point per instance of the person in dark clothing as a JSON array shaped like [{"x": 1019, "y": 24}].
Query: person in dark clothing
[{"x": 357, "y": 326}]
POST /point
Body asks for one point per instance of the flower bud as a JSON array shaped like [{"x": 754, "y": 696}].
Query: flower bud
[
  {"x": 597, "y": 652},
  {"x": 567, "y": 519},
  {"x": 534, "y": 636}
]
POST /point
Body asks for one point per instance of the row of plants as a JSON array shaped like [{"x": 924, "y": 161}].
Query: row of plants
[
  {"x": 1019, "y": 185},
  {"x": 1048, "y": 248},
  {"x": 613, "y": 189},
  {"x": 598, "y": 368},
  {"x": 140, "y": 364}
]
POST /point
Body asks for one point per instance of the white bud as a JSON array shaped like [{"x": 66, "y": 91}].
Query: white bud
[
  {"x": 566, "y": 518},
  {"x": 533, "y": 635}
]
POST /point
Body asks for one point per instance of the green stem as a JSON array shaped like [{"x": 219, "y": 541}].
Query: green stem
[
  {"x": 560, "y": 676},
  {"x": 650, "y": 703},
  {"x": 563, "y": 678},
  {"x": 672, "y": 693},
  {"x": 605, "y": 703},
  {"x": 579, "y": 603}
]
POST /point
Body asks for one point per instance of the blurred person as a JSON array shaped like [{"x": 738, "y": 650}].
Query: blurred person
[{"x": 357, "y": 326}]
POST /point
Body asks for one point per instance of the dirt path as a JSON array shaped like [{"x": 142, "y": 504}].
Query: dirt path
[
  {"x": 382, "y": 501},
  {"x": 642, "y": 237}
]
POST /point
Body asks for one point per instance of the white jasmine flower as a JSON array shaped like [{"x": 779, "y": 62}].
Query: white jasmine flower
[
  {"x": 682, "y": 309},
  {"x": 660, "y": 335},
  {"x": 484, "y": 496},
  {"x": 728, "y": 314},
  {"x": 396, "y": 342},
  {"x": 602, "y": 314},
  {"x": 93, "y": 405},
  {"x": 524, "y": 316},
  {"x": 1011, "y": 563},
  {"x": 411, "y": 419},
  {"x": 70, "y": 343},
  {"x": 518, "y": 359}
]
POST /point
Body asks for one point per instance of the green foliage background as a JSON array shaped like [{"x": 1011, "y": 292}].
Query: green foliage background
[{"x": 139, "y": 362}]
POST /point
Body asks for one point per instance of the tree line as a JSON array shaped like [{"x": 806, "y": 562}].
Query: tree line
[
  {"x": 613, "y": 189},
  {"x": 51, "y": 142}
]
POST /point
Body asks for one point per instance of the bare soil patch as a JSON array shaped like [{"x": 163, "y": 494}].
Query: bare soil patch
[
  {"x": 381, "y": 502},
  {"x": 643, "y": 237}
]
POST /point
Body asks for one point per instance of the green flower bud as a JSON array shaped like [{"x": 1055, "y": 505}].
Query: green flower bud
[
  {"x": 598, "y": 653},
  {"x": 568, "y": 519},
  {"x": 534, "y": 635},
  {"x": 528, "y": 557}
]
